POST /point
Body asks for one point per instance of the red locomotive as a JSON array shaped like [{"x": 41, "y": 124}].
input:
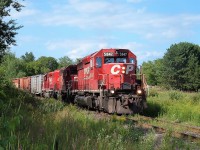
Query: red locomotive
[
  {"x": 105, "y": 80},
  {"x": 59, "y": 82}
]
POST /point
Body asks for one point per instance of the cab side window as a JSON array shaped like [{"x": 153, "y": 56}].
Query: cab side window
[
  {"x": 132, "y": 60},
  {"x": 98, "y": 62}
]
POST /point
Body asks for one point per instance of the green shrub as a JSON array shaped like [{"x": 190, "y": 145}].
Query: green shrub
[
  {"x": 175, "y": 95},
  {"x": 50, "y": 105},
  {"x": 196, "y": 98},
  {"x": 153, "y": 92}
]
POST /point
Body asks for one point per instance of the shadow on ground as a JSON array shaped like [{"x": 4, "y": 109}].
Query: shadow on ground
[{"x": 153, "y": 110}]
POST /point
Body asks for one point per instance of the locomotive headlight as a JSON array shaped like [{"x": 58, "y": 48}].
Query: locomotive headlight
[
  {"x": 123, "y": 71},
  {"x": 139, "y": 91},
  {"x": 123, "y": 68},
  {"x": 112, "y": 91}
]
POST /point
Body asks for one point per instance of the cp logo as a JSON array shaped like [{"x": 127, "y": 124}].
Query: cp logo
[{"x": 117, "y": 68}]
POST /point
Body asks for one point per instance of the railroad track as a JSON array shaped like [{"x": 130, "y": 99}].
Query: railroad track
[
  {"x": 187, "y": 132},
  {"x": 191, "y": 133},
  {"x": 186, "y": 127}
]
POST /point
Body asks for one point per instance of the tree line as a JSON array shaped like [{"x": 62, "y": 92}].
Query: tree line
[
  {"x": 27, "y": 65},
  {"x": 178, "y": 69}
]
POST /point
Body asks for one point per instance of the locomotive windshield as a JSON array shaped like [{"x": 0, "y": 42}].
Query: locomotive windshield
[
  {"x": 115, "y": 60},
  {"x": 121, "y": 60},
  {"x": 109, "y": 60}
]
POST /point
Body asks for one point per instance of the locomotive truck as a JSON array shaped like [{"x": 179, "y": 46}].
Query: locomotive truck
[{"x": 106, "y": 80}]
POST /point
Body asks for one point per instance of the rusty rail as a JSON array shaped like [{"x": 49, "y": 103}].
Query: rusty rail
[
  {"x": 187, "y": 127},
  {"x": 192, "y": 134}
]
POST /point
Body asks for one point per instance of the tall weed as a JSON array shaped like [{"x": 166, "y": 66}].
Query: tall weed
[
  {"x": 175, "y": 95},
  {"x": 196, "y": 97},
  {"x": 153, "y": 92},
  {"x": 50, "y": 105},
  {"x": 175, "y": 106}
]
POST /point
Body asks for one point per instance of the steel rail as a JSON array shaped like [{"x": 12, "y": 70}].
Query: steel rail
[
  {"x": 186, "y": 127},
  {"x": 192, "y": 136}
]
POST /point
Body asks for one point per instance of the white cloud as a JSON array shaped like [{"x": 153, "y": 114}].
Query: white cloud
[
  {"x": 24, "y": 13},
  {"x": 134, "y": 1},
  {"x": 105, "y": 15},
  {"x": 170, "y": 33},
  {"x": 76, "y": 48},
  {"x": 81, "y": 48},
  {"x": 28, "y": 39},
  {"x": 27, "y": 11}
]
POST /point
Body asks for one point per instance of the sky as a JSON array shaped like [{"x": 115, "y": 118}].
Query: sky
[{"x": 77, "y": 28}]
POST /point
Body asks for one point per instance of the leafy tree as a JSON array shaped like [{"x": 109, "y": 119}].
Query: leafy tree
[
  {"x": 45, "y": 64},
  {"x": 12, "y": 67},
  {"x": 149, "y": 71},
  {"x": 159, "y": 71},
  {"x": 29, "y": 62},
  {"x": 28, "y": 57},
  {"x": 65, "y": 61},
  {"x": 153, "y": 71},
  {"x": 182, "y": 66},
  {"x": 77, "y": 60},
  {"x": 8, "y": 27}
]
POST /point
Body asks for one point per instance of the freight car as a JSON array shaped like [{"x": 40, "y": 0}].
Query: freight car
[
  {"x": 16, "y": 82},
  {"x": 36, "y": 84},
  {"x": 106, "y": 80},
  {"x": 25, "y": 83}
]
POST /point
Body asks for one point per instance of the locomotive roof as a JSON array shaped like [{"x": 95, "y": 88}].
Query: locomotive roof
[{"x": 93, "y": 54}]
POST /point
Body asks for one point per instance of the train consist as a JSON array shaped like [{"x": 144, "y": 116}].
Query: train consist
[{"x": 105, "y": 80}]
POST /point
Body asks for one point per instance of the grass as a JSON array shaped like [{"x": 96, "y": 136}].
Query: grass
[
  {"x": 29, "y": 123},
  {"x": 175, "y": 106}
]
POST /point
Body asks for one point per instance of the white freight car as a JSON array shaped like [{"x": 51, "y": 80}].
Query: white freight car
[{"x": 36, "y": 84}]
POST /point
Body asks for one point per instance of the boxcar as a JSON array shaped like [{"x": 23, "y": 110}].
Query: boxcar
[
  {"x": 25, "y": 83},
  {"x": 16, "y": 82},
  {"x": 36, "y": 84}
]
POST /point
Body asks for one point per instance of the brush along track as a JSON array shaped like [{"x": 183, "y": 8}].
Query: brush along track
[
  {"x": 192, "y": 133},
  {"x": 185, "y": 127}
]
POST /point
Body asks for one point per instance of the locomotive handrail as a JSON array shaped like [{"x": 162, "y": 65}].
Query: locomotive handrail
[
  {"x": 103, "y": 81},
  {"x": 143, "y": 80}
]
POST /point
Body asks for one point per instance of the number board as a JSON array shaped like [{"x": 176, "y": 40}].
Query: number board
[
  {"x": 124, "y": 54},
  {"x": 108, "y": 54}
]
